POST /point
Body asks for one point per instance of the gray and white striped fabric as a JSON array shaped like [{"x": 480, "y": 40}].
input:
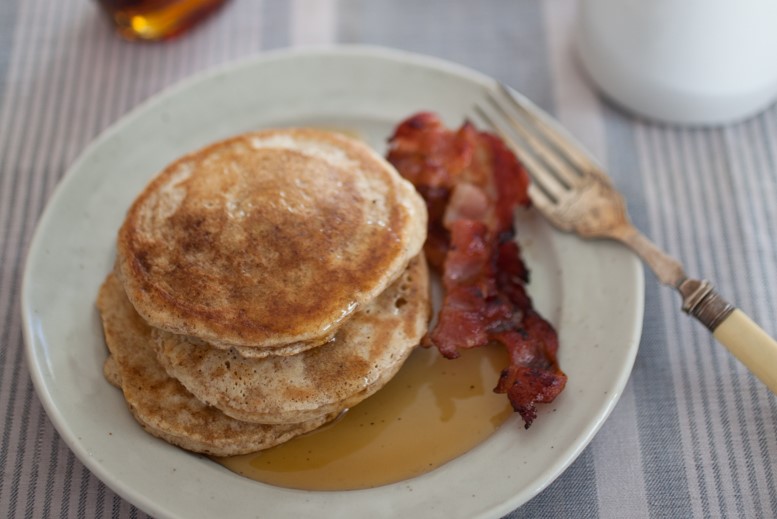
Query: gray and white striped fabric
[{"x": 694, "y": 435}]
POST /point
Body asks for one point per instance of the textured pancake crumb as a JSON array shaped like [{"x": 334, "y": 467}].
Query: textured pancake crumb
[
  {"x": 161, "y": 404},
  {"x": 366, "y": 352}
]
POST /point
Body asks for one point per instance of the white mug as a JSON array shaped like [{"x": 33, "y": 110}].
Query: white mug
[{"x": 697, "y": 62}]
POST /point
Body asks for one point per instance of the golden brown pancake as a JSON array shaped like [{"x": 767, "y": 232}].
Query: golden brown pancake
[
  {"x": 111, "y": 371},
  {"x": 366, "y": 352},
  {"x": 160, "y": 403},
  {"x": 268, "y": 239}
]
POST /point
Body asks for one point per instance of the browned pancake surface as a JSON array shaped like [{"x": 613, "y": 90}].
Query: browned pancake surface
[
  {"x": 160, "y": 403},
  {"x": 366, "y": 352},
  {"x": 268, "y": 238}
]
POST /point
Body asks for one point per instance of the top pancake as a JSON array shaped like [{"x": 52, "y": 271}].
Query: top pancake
[{"x": 268, "y": 238}]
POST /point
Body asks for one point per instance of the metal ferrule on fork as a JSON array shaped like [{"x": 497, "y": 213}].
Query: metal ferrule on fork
[{"x": 702, "y": 301}]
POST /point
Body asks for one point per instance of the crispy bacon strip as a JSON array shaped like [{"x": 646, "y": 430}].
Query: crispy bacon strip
[{"x": 472, "y": 184}]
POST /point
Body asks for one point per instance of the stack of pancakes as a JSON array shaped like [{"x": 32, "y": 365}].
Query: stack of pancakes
[{"x": 263, "y": 285}]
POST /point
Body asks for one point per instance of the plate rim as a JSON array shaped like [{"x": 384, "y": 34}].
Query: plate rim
[{"x": 350, "y": 50}]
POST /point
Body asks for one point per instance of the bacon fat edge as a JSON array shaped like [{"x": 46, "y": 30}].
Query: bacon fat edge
[{"x": 472, "y": 184}]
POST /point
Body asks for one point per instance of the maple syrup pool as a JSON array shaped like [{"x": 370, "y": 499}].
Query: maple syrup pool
[{"x": 431, "y": 412}]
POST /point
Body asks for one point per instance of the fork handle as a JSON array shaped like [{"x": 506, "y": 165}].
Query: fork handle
[
  {"x": 732, "y": 328},
  {"x": 751, "y": 345}
]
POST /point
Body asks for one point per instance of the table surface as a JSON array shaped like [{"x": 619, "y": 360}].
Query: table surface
[{"x": 693, "y": 435}]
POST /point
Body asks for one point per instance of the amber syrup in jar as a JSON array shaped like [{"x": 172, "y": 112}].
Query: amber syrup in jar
[{"x": 157, "y": 19}]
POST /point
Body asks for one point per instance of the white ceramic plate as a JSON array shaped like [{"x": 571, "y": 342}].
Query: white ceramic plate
[{"x": 592, "y": 292}]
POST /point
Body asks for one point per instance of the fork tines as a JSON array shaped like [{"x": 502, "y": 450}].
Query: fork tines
[{"x": 556, "y": 165}]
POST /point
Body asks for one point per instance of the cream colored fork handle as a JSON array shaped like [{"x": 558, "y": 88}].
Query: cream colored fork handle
[
  {"x": 730, "y": 326},
  {"x": 751, "y": 345}
]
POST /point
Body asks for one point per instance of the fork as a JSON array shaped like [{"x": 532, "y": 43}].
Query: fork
[{"x": 576, "y": 195}]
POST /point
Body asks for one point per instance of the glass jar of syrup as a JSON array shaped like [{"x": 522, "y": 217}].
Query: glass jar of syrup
[{"x": 157, "y": 19}]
